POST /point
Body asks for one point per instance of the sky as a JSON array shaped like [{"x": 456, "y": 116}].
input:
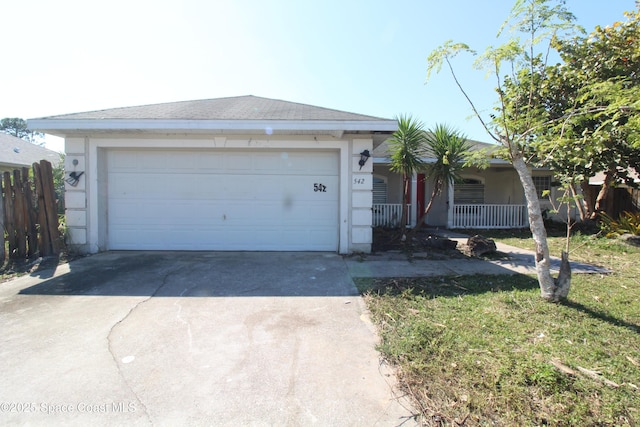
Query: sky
[{"x": 361, "y": 56}]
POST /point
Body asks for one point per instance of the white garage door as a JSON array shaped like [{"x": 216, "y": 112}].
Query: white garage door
[{"x": 222, "y": 200}]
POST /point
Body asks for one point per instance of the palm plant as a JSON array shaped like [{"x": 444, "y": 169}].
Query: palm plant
[
  {"x": 451, "y": 152},
  {"x": 407, "y": 147}
]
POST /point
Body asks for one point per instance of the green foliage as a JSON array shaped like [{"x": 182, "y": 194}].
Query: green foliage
[
  {"x": 535, "y": 24},
  {"x": 592, "y": 103},
  {"x": 445, "y": 53},
  {"x": 406, "y": 147},
  {"x": 58, "y": 184},
  {"x": 450, "y": 151},
  {"x": 541, "y": 18},
  {"x": 627, "y": 223},
  {"x": 581, "y": 116},
  {"x": 18, "y": 128}
]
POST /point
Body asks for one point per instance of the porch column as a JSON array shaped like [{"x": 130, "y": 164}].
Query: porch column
[
  {"x": 414, "y": 200},
  {"x": 450, "y": 205}
]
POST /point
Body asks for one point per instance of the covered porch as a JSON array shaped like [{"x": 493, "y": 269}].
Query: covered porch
[
  {"x": 462, "y": 216},
  {"x": 487, "y": 199},
  {"x": 488, "y": 216}
]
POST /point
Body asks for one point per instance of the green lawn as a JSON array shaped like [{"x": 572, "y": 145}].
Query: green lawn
[{"x": 487, "y": 350}]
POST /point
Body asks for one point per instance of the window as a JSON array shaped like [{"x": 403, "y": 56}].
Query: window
[
  {"x": 542, "y": 184},
  {"x": 379, "y": 190},
  {"x": 469, "y": 192}
]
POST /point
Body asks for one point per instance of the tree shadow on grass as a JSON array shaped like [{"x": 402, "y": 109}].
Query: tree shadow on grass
[
  {"x": 446, "y": 286},
  {"x": 455, "y": 286},
  {"x": 603, "y": 316}
]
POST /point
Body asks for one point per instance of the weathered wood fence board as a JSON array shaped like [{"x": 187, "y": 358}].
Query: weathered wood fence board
[
  {"x": 7, "y": 197},
  {"x": 30, "y": 212},
  {"x": 32, "y": 229},
  {"x": 43, "y": 176}
]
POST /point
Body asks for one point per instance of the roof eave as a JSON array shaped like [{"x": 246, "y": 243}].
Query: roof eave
[
  {"x": 68, "y": 126},
  {"x": 386, "y": 159}
]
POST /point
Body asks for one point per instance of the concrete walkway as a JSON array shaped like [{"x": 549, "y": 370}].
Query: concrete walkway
[{"x": 512, "y": 261}]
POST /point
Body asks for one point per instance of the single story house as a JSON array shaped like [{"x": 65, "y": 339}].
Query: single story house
[
  {"x": 239, "y": 173},
  {"x": 487, "y": 198},
  {"x": 16, "y": 153}
]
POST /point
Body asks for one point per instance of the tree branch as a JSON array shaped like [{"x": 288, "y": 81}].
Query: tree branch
[{"x": 475, "y": 110}]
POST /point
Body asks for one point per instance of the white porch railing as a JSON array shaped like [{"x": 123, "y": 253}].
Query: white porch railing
[
  {"x": 389, "y": 214},
  {"x": 489, "y": 216}
]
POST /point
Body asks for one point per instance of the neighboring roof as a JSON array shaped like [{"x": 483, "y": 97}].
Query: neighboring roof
[
  {"x": 598, "y": 179},
  {"x": 16, "y": 152},
  {"x": 235, "y": 113},
  {"x": 381, "y": 153}
]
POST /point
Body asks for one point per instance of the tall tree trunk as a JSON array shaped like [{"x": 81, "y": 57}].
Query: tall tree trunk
[
  {"x": 579, "y": 201},
  {"x": 588, "y": 200},
  {"x": 602, "y": 194},
  {"x": 547, "y": 284},
  {"x": 563, "y": 282}
]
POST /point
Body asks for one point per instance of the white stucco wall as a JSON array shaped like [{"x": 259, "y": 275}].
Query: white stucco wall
[
  {"x": 86, "y": 202},
  {"x": 361, "y": 190},
  {"x": 437, "y": 217},
  {"x": 76, "y": 196}
]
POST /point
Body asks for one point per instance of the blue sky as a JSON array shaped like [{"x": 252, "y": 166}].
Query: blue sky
[{"x": 366, "y": 57}]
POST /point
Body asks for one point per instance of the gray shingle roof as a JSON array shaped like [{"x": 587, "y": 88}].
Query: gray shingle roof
[
  {"x": 382, "y": 150},
  {"x": 16, "y": 152},
  {"x": 234, "y": 108}
]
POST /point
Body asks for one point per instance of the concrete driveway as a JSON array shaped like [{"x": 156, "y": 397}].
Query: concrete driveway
[{"x": 158, "y": 338}]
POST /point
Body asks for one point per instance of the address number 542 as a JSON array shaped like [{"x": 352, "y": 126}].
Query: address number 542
[{"x": 321, "y": 188}]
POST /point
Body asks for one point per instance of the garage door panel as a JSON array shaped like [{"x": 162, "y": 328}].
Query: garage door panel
[
  {"x": 298, "y": 163},
  {"x": 208, "y": 212},
  {"x": 220, "y": 200},
  {"x": 124, "y": 211},
  {"x": 153, "y": 186}
]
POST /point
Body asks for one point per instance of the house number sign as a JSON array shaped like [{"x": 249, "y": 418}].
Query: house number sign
[{"x": 319, "y": 188}]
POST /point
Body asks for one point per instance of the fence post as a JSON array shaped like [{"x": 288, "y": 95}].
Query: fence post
[
  {"x": 8, "y": 208},
  {"x": 44, "y": 241},
  {"x": 51, "y": 206},
  {"x": 19, "y": 215},
  {"x": 31, "y": 218},
  {"x": 47, "y": 210},
  {"x": 3, "y": 254}
]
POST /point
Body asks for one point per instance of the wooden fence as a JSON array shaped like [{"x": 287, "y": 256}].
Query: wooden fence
[{"x": 30, "y": 213}]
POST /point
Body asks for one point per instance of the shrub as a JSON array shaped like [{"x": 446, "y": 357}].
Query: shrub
[{"x": 627, "y": 223}]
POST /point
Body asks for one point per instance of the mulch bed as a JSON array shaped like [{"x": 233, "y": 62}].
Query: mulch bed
[{"x": 420, "y": 242}]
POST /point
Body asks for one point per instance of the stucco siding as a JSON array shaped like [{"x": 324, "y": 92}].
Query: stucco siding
[
  {"x": 502, "y": 186},
  {"x": 437, "y": 217}
]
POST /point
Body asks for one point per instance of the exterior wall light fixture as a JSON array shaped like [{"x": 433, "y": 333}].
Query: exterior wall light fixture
[
  {"x": 74, "y": 177},
  {"x": 364, "y": 156}
]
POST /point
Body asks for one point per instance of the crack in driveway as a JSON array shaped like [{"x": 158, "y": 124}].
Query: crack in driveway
[{"x": 120, "y": 322}]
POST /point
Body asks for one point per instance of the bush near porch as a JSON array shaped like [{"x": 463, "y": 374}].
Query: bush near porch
[{"x": 487, "y": 350}]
